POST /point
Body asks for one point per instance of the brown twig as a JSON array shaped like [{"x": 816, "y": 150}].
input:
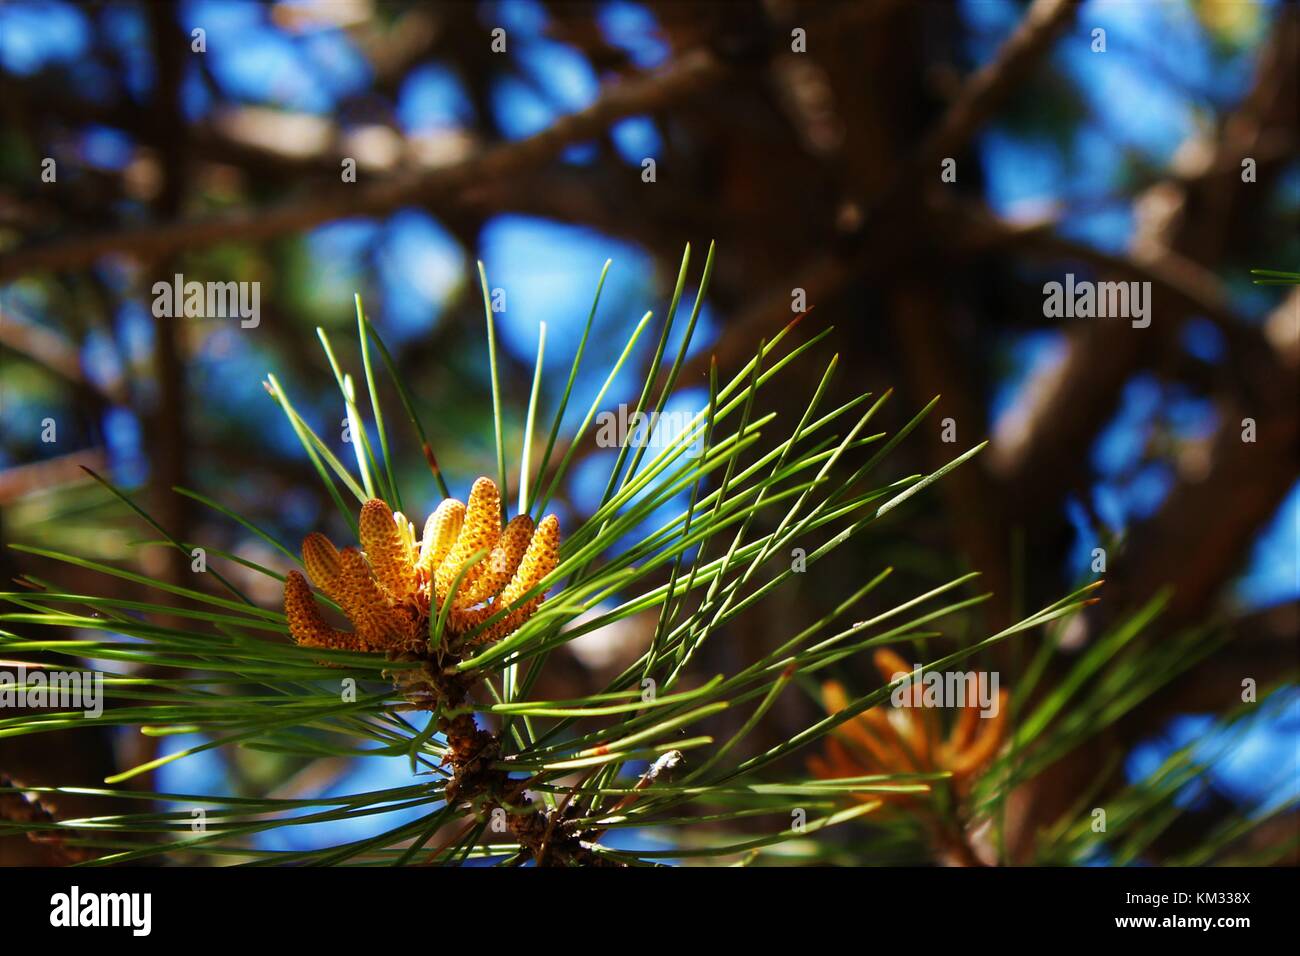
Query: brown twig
[{"x": 30, "y": 808}]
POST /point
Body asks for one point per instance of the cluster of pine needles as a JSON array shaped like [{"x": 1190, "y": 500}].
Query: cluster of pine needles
[{"x": 500, "y": 776}]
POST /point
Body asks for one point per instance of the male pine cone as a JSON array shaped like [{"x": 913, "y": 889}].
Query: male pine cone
[{"x": 393, "y": 586}]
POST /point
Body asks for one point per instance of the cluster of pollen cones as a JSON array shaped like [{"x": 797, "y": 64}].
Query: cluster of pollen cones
[
  {"x": 889, "y": 740},
  {"x": 394, "y": 584}
]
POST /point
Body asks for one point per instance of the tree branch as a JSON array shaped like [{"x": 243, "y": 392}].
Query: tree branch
[{"x": 647, "y": 93}]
